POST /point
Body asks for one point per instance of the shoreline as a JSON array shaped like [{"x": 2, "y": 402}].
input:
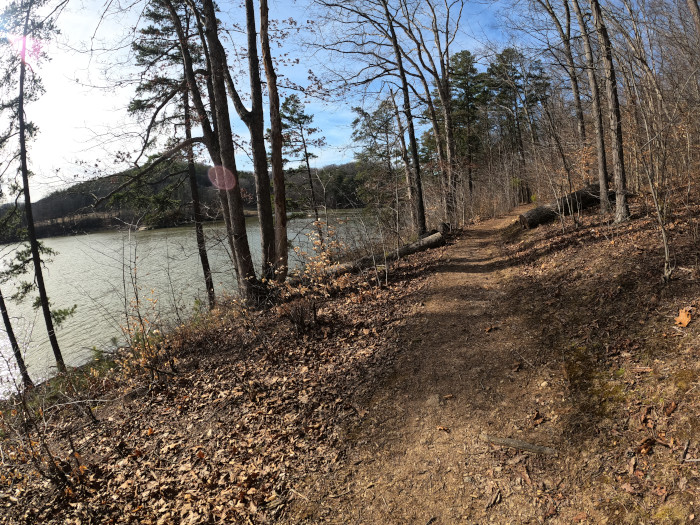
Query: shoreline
[{"x": 96, "y": 223}]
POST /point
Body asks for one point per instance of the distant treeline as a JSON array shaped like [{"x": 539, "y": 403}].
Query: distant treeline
[{"x": 164, "y": 199}]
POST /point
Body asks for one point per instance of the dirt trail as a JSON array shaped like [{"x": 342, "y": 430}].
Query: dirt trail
[{"x": 470, "y": 366}]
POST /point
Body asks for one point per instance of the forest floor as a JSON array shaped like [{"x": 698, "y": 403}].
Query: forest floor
[{"x": 389, "y": 406}]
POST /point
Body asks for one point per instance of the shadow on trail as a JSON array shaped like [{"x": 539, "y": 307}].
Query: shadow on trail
[
  {"x": 567, "y": 326},
  {"x": 500, "y": 340}
]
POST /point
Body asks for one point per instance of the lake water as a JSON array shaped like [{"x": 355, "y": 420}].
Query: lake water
[{"x": 99, "y": 272}]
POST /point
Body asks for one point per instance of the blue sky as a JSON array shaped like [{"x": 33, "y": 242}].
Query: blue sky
[{"x": 78, "y": 113}]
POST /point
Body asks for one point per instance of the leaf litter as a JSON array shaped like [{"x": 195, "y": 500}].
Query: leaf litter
[{"x": 348, "y": 423}]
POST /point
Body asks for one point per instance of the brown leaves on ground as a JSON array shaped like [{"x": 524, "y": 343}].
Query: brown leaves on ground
[
  {"x": 684, "y": 316},
  {"x": 260, "y": 412},
  {"x": 254, "y": 407},
  {"x": 630, "y": 380}
]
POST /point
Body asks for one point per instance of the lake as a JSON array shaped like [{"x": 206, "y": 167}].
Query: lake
[{"x": 99, "y": 272}]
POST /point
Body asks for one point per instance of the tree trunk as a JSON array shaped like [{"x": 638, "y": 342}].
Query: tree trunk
[
  {"x": 31, "y": 233},
  {"x": 13, "y": 343},
  {"x": 212, "y": 135},
  {"x": 404, "y": 156},
  {"x": 621, "y": 208},
  {"x": 431, "y": 241},
  {"x": 256, "y": 126},
  {"x": 314, "y": 205},
  {"x": 451, "y": 161},
  {"x": 197, "y": 208},
  {"x": 439, "y": 146},
  {"x": 248, "y": 284},
  {"x": 605, "y": 207},
  {"x": 281, "y": 242},
  {"x": 417, "y": 203}
]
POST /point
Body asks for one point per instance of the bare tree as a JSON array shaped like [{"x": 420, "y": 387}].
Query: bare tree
[
  {"x": 29, "y": 27},
  {"x": 695, "y": 13},
  {"x": 281, "y": 242},
  {"x": 563, "y": 28},
  {"x": 598, "y": 129},
  {"x": 216, "y": 130},
  {"x": 371, "y": 36},
  {"x": 614, "y": 114},
  {"x": 197, "y": 208},
  {"x": 254, "y": 119}
]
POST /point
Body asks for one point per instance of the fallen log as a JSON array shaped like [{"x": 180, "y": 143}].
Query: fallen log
[
  {"x": 582, "y": 199},
  {"x": 431, "y": 241}
]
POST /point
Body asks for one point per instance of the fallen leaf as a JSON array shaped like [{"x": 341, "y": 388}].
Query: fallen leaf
[
  {"x": 646, "y": 446},
  {"x": 627, "y": 487},
  {"x": 538, "y": 419},
  {"x": 670, "y": 408},
  {"x": 683, "y": 317},
  {"x": 660, "y": 491}
]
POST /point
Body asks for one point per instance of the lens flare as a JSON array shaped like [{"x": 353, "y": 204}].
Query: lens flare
[
  {"x": 222, "y": 178},
  {"x": 32, "y": 47}
]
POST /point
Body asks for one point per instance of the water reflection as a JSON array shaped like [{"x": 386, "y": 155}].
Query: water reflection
[{"x": 102, "y": 273}]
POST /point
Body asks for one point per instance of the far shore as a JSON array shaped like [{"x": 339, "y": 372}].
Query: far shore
[{"x": 105, "y": 222}]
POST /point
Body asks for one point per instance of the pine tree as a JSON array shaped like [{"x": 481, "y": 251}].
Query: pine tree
[{"x": 22, "y": 18}]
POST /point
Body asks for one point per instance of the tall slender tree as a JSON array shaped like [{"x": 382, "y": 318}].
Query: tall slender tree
[
  {"x": 614, "y": 114},
  {"x": 17, "y": 352},
  {"x": 216, "y": 129},
  {"x": 33, "y": 30},
  {"x": 598, "y": 128},
  {"x": 162, "y": 85},
  {"x": 470, "y": 94},
  {"x": 298, "y": 138},
  {"x": 196, "y": 206},
  {"x": 254, "y": 119},
  {"x": 385, "y": 56},
  {"x": 276, "y": 142},
  {"x": 435, "y": 59}
]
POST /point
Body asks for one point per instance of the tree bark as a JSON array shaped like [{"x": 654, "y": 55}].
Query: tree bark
[
  {"x": 31, "y": 232},
  {"x": 276, "y": 142},
  {"x": 248, "y": 284},
  {"x": 256, "y": 125},
  {"x": 197, "y": 208},
  {"x": 417, "y": 202},
  {"x": 614, "y": 115},
  {"x": 13, "y": 343},
  {"x": 404, "y": 155},
  {"x": 605, "y": 207}
]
